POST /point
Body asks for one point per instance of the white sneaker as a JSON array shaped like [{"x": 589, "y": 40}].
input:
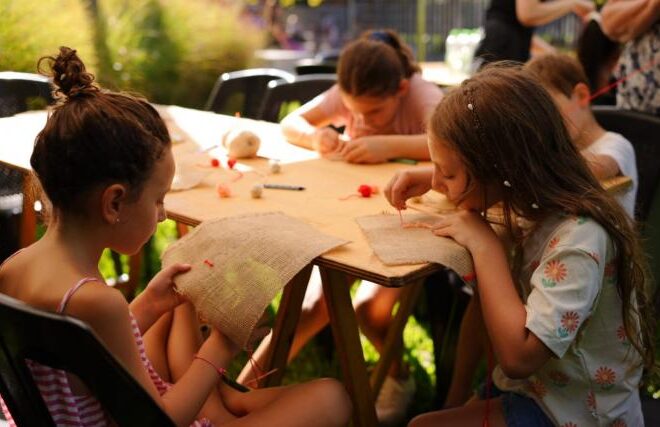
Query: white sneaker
[{"x": 393, "y": 400}]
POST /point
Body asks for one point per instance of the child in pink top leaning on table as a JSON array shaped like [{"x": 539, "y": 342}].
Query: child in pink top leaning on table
[
  {"x": 104, "y": 160},
  {"x": 384, "y": 103},
  {"x": 380, "y": 98}
]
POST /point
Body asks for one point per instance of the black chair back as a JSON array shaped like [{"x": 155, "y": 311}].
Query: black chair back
[
  {"x": 19, "y": 92},
  {"x": 22, "y": 92},
  {"x": 243, "y": 91},
  {"x": 301, "y": 89},
  {"x": 303, "y": 68},
  {"x": 643, "y": 131},
  {"x": 62, "y": 342}
]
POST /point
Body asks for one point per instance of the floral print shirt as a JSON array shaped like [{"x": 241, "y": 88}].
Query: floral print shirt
[
  {"x": 568, "y": 285},
  {"x": 641, "y": 90}
]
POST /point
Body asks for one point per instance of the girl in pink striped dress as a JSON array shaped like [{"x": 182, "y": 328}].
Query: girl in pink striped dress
[{"x": 105, "y": 163}]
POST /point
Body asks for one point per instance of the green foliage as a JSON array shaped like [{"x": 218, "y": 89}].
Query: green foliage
[
  {"x": 30, "y": 29},
  {"x": 173, "y": 51},
  {"x": 170, "y": 51}
]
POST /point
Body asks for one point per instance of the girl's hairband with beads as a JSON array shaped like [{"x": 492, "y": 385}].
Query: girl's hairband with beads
[{"x": 480, "y": 131}]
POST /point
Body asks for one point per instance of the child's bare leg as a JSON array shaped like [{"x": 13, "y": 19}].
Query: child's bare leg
[
  {"x": 470, "y": 415},
  {"x": 319, "y": 403},
  {"x": 469, "y": 352},
  {"x": 373, "y": 308},
  {"x": 184, "y": 341},
  {"x": 155, "y": 345},
  {"x": 313, "y": 317}
]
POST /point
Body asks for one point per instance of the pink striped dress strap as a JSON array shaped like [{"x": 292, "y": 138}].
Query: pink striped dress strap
[{"x": 72, "y": 290}]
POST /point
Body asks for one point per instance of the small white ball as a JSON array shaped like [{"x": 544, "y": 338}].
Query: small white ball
[
  {"x": 256, "y": 191},
  {"x": 275, "y": 166}
]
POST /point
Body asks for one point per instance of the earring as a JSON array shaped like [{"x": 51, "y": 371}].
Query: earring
[
  {"x": 117, "y": 220},
  {"x": 535, "y": 206},
  {"x": 507, "y": 184}
]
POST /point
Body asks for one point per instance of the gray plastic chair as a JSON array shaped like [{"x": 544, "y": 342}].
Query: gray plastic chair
[
  {"x": 301, "y": 89},
  {"x": 19, "y": 92},
  {"x": 243, "y": 91},
  {"x": 66, "y": 343}
]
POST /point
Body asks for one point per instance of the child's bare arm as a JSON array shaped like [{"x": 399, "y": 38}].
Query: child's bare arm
[
  {"x": 381, "y": 148},
  {"x": 519, "y": 352},
  {"x": 533, "y": 13},
  {"x": 602, "y": 166},
  {"x": 299, "y": 126},
  {"x": 112, "y": 323},
  {"x": 158, "y": 298},
  {"x": 624, "y": 20}
]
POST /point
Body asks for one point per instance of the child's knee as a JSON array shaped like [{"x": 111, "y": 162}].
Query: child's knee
[
  {"x": 316, "y": 309},
  {"x": 424, "y": 420},
  {"x": 373, "y": 312},
  {"x": 332, "y": 395}
]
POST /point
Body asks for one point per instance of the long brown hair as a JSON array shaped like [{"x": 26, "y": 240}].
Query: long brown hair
[
  {"x": 509, "y": 134},
  {"x": 375, "y": 64},
  {"x": 93, "y": 137}
]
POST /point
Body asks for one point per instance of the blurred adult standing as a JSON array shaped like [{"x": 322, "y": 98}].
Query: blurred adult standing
[
  {"x": 637, "y": 24},
  {"x": 510, "y": 26}
]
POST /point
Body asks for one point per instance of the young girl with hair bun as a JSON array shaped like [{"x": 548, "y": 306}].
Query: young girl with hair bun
[
  {"x": 381, "y": 99},
  {"x": 567, "y": 311},
  {"x": 105, "y": 163}
]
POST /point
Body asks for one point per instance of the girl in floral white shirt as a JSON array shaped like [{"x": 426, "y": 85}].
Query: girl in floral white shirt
[{"x": 569, "y": 319}]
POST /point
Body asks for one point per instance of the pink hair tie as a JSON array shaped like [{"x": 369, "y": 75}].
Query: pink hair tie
[{"x": 221, "y": 371}]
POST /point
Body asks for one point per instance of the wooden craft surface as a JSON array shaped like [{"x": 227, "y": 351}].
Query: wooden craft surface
[
  {"x": 319, "y": 205},
  {"x": 326, "y": 182}
]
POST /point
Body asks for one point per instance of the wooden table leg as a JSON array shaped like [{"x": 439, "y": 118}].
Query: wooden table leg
[
  {"x": 28, "y": 232},
  {"x": 347, "y": 341},
  {"x": 286, "y": 322},
  {"x": 394, "y": 338},
  {"x": 181, "y": 229}
]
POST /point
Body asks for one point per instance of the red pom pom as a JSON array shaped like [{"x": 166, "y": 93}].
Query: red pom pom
[
  {"x": 231, "y": 163},
  {"x": 365, "y": 190},
  {"x": 215, "y": 163}
]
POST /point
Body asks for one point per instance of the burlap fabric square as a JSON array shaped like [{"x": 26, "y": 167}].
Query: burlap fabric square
[
  {"x": 396, "y": 245},
  {"x": 239, "y": 265}
]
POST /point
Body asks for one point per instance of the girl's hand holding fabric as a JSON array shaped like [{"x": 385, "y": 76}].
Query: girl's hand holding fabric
[
  {"x": 161, "y": 291},
  {"x": 469, "y": 229},
  {"x": 367, "y": 149},
  {"x": 406, "y": 184}
]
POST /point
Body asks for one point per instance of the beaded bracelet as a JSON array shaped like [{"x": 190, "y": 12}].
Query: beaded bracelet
[{"x": 221, "y": 371}]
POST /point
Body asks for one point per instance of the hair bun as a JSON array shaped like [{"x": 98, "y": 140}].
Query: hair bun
[{"x": 69, "y": 75}]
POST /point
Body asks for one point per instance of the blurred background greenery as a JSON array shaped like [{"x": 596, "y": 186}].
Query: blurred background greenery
[{"x": 169, "y": 51}]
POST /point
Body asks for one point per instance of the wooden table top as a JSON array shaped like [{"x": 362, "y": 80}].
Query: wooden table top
[{"x": 324, "y": 204}]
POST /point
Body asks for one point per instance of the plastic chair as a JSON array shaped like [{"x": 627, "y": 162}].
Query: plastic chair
[
  {"x": 301, "y": 89},
  {"x": 22, "y": 92},
  {"x": 243, "y": 91},
  {"x": 66, "y": 343},
  {"x": 19, "y": 92},
  {"x": 314, "y": 66},
  {"x": 642, "y": 131}
]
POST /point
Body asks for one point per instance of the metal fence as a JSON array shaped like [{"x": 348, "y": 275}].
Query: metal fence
[{"x": 424, "y": 24}]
